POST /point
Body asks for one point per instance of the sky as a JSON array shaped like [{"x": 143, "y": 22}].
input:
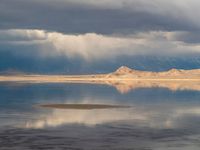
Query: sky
[{"x": 90, "y": 36}]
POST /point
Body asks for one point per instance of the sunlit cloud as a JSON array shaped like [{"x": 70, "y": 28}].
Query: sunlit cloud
[{"x": 92, "y": 46}]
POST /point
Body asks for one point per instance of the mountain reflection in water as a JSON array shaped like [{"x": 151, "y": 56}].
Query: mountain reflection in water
[{"x": 124, "y": 86}]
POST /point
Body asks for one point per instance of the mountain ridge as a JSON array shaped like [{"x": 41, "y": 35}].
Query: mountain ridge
[{"x": 125, "y": 71}]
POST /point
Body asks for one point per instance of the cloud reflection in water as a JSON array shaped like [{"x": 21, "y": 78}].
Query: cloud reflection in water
[{"x": 162, "y": 115}]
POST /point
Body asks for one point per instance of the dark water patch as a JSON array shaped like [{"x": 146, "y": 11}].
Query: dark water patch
[
  {"x": 101, "y": 137},
  {"x": 82, "y": 106}
]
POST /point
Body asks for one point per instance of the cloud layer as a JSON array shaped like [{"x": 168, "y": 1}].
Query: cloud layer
[
  {"x": 101, "y": 17},
  {"x": 92, "y": 46}
]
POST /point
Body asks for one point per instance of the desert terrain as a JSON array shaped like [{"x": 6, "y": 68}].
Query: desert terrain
[{"x": 123, "y": 79}]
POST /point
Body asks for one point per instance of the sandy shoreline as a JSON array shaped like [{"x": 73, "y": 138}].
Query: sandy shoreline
[
  {"x": 123, "y": 83},
  {"x": 62, "y": 78},
  {"x": 121, "y": 74}
]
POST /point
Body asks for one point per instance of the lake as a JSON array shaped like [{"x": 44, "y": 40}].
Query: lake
[{"x": 146, "y": 119}]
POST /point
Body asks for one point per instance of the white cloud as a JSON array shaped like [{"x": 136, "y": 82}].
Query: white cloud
[
  {"x": 20, "y": 35},
  {"x": 92, "y": 46}
]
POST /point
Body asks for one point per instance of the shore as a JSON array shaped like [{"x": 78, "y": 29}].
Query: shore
[
  {"x": 122, "y": 84},
  {"x": 84, "y": 78}
]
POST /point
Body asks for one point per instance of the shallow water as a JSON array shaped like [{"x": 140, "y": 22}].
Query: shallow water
[{"x": 156, "y": 119}]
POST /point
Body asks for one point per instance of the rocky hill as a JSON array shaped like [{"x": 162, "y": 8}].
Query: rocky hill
[{"x": 125, "y": 72}]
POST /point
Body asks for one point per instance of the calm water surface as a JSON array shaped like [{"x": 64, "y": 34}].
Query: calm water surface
[{"x": 157, "y": 119}]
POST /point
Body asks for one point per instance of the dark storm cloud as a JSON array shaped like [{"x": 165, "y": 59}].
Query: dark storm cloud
[
  {"x": 188, "y": 37},
  {"x": 77, "y": 16},
  {"x": 31, "y": 62}
]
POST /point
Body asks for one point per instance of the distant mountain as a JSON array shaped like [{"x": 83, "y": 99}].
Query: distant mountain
[
  {"x": 126, "y": 72},
  {"x": 124, "y": 79}
]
